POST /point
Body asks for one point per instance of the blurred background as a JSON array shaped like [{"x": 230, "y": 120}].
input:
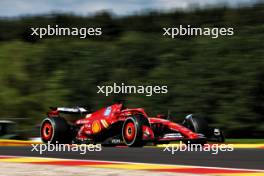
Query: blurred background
[{"x": 220, "y": 79}]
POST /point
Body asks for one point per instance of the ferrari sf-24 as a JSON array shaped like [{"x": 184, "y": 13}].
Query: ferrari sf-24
[{"x": 117, "y": 125}]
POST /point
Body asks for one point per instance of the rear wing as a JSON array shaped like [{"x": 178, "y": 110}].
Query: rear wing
[
  {"x": 55, "y": 111},
  {"x": 72, "y": 110}
]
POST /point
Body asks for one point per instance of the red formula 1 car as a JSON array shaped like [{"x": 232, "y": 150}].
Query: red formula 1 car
[{"x": 115, "y": 125}]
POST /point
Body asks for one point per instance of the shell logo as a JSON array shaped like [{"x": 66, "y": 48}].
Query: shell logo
[{"x": 96, "y": 127}]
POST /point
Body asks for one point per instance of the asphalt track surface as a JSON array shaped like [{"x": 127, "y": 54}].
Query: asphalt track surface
[{"x": 239, "y": 158}]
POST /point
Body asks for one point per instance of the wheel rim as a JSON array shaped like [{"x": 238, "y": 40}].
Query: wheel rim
[
  {"x": 130, "y": 132},
  {"x": 47, "y": 131}
]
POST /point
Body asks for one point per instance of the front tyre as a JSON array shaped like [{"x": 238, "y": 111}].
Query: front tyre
[
  {"x": 197, "y": 125},
  {"x": 56, "y": 129},
  {"x": 132, "y": 131}
]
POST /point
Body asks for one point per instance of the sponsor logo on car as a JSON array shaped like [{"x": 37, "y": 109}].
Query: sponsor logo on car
[
  {"x": 96, "y": 127},
  {"x": 107, "y": 111}
]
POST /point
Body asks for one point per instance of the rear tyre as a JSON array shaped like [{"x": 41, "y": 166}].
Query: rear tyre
[
  {"x": 132, "y": 131},
  {"x": 56, "y": 130}
]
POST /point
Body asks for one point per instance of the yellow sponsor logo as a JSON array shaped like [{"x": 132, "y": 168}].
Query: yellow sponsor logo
[{"x": 96, "y": 127}]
